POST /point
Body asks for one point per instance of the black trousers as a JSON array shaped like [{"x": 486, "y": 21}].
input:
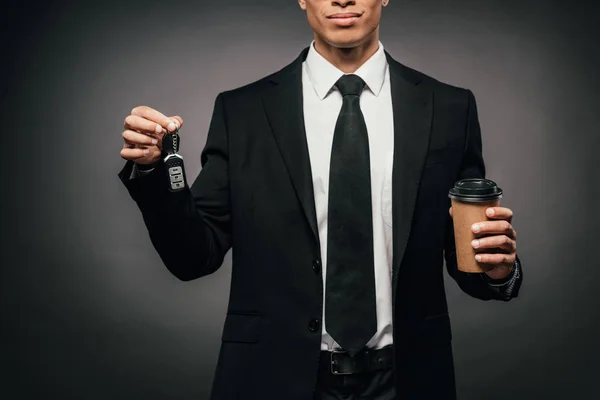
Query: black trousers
[{"x": 375, "y": 385}]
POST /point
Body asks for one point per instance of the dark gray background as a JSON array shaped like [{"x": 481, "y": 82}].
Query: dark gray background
[{"x": 89, "y": 311}]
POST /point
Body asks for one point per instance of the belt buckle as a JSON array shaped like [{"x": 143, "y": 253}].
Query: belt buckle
[{"x": 333, "y": 363}]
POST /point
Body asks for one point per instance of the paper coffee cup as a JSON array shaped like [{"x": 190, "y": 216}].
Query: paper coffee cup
[{"x": 470, "y": 199}]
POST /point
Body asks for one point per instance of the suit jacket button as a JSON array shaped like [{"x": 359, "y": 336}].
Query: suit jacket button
[
  {"x": 314, "y": 325},
  {"x": 316, "y": 266}
]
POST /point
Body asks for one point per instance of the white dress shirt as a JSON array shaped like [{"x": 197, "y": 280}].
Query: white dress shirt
[{"x": 322, "y": 104}]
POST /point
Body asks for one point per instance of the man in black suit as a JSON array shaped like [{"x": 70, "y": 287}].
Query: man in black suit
[{"x": 329, "y": 181}]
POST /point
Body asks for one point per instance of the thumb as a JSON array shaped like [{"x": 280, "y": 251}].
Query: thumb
[{"x": 178, "y": 120}]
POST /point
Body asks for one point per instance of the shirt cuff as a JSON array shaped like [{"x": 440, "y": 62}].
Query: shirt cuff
[
  {"x": 504, "y": 287},
  {"x": 137, "y": 172},
  {"x": 504, "y": 281}
]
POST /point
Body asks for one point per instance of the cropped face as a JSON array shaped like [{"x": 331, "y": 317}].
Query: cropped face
[{"x": 343, "y": 23}]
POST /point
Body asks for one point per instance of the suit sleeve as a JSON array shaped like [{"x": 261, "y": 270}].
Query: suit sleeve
[
  {"x": 473, "y": 166},
  {"x": 190, "y": 229}
]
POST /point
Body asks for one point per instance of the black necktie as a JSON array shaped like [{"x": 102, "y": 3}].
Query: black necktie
[{"x": 350, "y": 310}]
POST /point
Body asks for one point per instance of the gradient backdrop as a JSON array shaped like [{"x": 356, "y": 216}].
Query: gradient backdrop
[{"x": 88, "y": 311}]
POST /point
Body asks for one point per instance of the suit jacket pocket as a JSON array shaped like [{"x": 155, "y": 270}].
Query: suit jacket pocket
[
  {"x": 434, "y": 329},
  {"x": 442, "y": 155},
  {"x": 241, "y": 328}
]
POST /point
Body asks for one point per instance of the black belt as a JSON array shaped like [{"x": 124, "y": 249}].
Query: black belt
[{"x": 340, "y": 363}]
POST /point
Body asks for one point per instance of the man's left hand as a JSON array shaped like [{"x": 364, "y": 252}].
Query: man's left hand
[{"x": 496, "y": 242}]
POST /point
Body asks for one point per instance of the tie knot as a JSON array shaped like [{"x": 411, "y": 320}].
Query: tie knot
[{"x": 350, "y": 85}]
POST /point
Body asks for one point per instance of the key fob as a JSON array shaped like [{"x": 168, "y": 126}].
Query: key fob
[
  {"x": 173, "y": 162},
  {"x": 175, "y": 172}
]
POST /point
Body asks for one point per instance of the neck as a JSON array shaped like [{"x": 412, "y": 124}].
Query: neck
[{"x": 348, "y": 60}]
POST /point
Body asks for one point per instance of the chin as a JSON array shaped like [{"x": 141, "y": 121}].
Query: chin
[{"x": 345, "y": 40}]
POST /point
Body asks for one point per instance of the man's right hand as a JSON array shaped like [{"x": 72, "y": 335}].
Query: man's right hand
[{"x": 144, "y": 130}]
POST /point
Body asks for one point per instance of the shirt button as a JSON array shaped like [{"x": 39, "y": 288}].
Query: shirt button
[
  {"x": 317, "y": 266},
  {"x": 314, "y": 325}
]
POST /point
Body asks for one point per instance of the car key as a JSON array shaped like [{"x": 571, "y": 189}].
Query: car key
[{"x": 173, "y": 161}]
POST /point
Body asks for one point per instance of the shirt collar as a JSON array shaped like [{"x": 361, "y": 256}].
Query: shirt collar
[{"x": 323, "y": 75}]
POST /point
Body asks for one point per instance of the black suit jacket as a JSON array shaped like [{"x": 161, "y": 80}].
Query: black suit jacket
[{"x": 255, "y": 195}]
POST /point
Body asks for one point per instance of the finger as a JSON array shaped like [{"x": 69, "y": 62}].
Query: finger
[
  {"x": 139, "y": 154},
  {"x": 450, "y": 211},
  {"x": 495, "y": 242},
  {"x": 493, "y": 227},
  {"x": 134, "y": 154},
  {"x": 132, "y": 137},
  {"x": 155, "y": 116},
  {"x": 495, "y": 259},
  {"x": 142, "y": 125},
  {"x": 178, "y": 121},
  {"x": 499, "y": 213},
  {"x": 151, "y": 157},
  {"x": 129, "y": 145}
]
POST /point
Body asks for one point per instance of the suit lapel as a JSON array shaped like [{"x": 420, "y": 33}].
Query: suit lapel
[
  {"x": 284, "y": 108},
  {"x": 413, "y": 110}
]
